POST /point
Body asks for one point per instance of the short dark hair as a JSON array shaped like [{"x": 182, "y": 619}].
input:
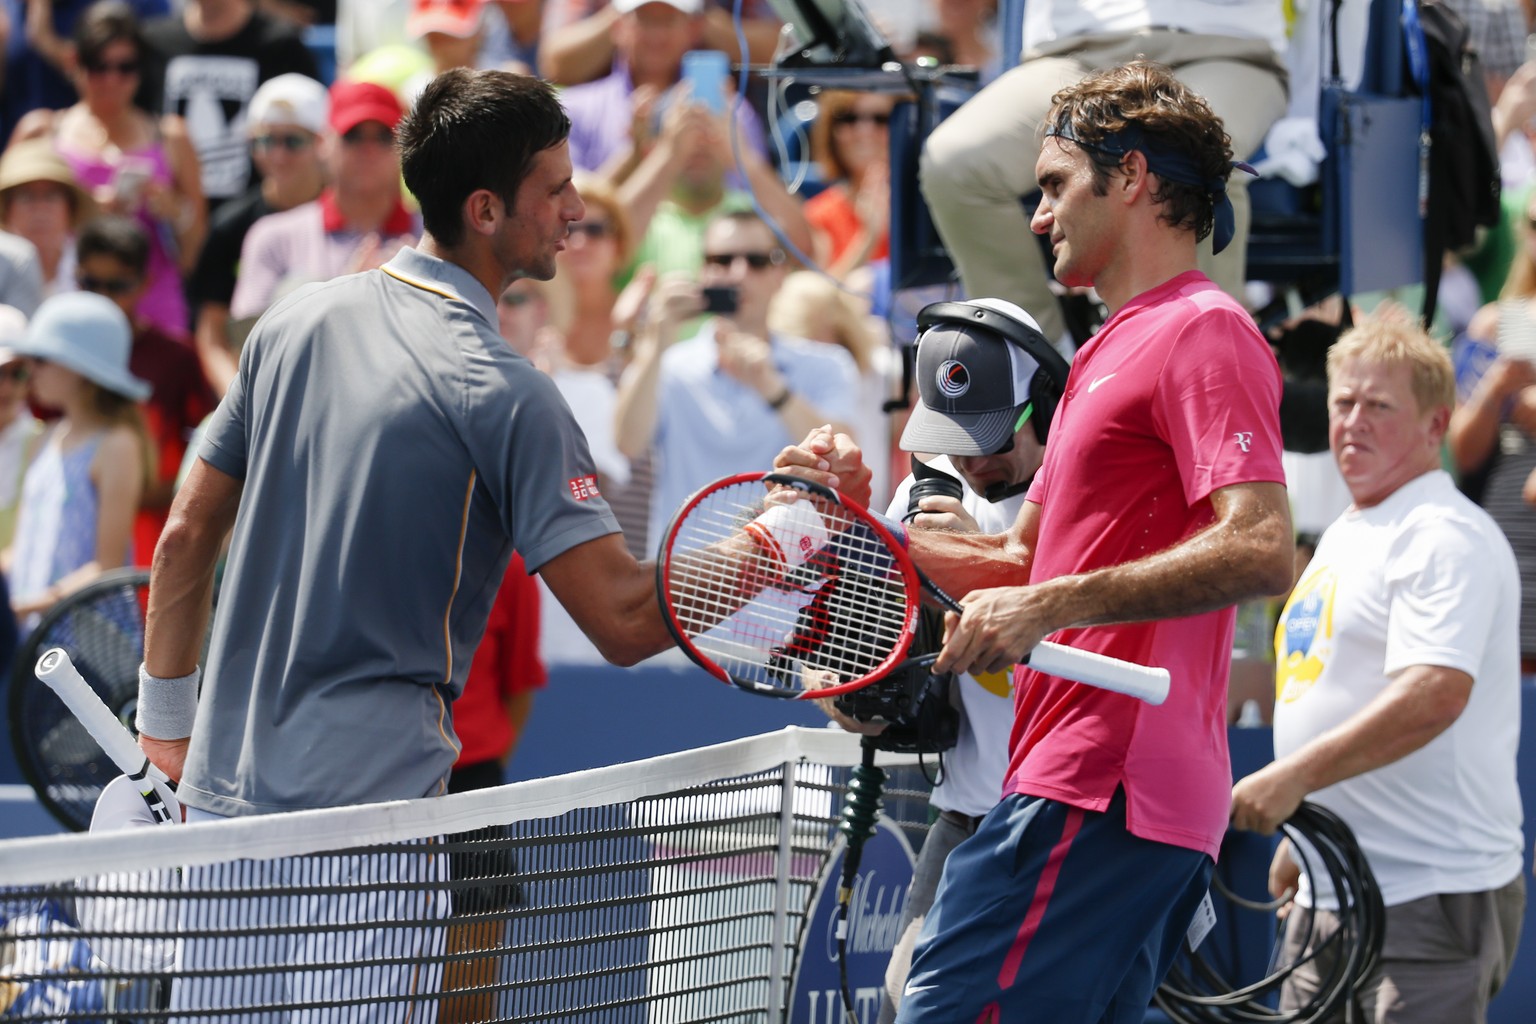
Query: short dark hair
[
  {"x": 471, "y": 130},
  {"x": 1143, "y": 94},
  {"x": 121, "y": 238},
  {"x": 103, "y": 24}
]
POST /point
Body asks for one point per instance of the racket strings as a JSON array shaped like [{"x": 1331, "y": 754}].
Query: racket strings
[
  {"x": 789, "y": 597},
  {"x": 101, "y": 628}
]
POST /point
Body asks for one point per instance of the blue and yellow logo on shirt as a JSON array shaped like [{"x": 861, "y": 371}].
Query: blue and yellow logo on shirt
[{"x": 1304, "y": 636}]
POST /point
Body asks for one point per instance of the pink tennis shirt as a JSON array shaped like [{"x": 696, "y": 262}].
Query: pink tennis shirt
[{"x": 1176, "y": 396}]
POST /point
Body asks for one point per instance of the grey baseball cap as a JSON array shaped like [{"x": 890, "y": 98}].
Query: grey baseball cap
[{"x": 973, "y": 385}]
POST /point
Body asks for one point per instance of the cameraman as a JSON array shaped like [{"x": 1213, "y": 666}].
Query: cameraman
[{"x": 984, "y": 408}]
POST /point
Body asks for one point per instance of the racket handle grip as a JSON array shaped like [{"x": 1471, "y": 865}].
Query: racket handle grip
[
  {"x": 1143, "y": 681},
  {"x": 56, "y": 670}
]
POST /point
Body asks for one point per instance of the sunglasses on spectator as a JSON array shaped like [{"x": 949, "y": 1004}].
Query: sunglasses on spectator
[
  {"x": 119, "y": 67},
  {"x": 755, "y": 260},
  {"x": 854, "y": 117},
  {"x": 17, "y": 372},
  {"x": 295, "y": 142},
  {"x": 592, "y": 228},
  {"x": 106, "y": 285},
  {"x": 513, "y": 299},
  {"x": 360, "y": 134}
]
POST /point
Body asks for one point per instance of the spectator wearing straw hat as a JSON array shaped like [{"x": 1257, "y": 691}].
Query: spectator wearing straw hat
[
  {"x": 42, "y": 201},
  {"x": 79, "y": 495},
  {"x": 286, "y": 125},
  {"x": 358, "y": 222},
  {"x": 19, "y": 429}
]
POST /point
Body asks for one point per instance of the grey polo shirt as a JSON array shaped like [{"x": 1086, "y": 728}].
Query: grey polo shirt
[{"x": 394, "y": 450}]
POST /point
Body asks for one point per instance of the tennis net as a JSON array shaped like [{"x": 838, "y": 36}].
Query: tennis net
[{"x": 688, "y": 887}]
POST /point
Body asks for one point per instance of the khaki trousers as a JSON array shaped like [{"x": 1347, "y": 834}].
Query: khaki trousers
[{"x": 1444, "y": 957}]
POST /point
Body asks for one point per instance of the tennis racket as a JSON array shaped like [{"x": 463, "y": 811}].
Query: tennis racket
[
  {"x": 56, "y": 670},
  {"x": 124, "y": 916},
  {"x": 785, "y": 588}
]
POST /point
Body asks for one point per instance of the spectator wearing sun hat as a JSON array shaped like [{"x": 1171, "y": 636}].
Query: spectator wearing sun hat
[
  {"x": 357, "y": 223},
  {"x": 286, "y": 125},
  {"x": 42, "y": 202},
  {"x": 114, "y": 261},
  {"x": 19, "y": 429},
  {"x": 80, "y": 493}
]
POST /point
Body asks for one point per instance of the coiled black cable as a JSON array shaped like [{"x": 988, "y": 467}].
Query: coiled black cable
[{"x": 1196, "y": 992}]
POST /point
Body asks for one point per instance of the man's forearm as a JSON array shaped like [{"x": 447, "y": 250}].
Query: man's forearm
[
  {"x": 642, "y": 191},
  {"x": 634, "y": 412},
  {"x": 213, "y": 349},
  {"x": 962, "y": 562},
  {"x": 180, "y": 602},
  {"x": 581, "y": 51},
  {"x": 181, "y": 579},
  {"x": 1421, "y": 703},
  {"x": 720, "y": 34},
  {"x": 783, "y": 208},
  {"x": 799, "y": 416},
  {"x": 1248, "y": 555}
]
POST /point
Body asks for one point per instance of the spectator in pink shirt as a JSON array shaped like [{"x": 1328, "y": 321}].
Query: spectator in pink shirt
[{"x": 358, "y": 223}]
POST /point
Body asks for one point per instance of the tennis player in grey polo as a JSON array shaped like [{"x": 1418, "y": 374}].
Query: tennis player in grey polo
[
  {"x": 373, "y": 618},
  {"x": 378, "y": 457}
]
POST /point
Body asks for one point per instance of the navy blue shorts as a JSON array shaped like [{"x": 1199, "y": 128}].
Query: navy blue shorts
[{"x": 1052, "y": 913}]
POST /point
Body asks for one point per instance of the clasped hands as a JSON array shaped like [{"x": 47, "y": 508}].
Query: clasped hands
[{"x": 1000, "y": 626}]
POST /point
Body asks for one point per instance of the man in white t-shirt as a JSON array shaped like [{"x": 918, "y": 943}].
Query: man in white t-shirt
[
  {"x": 985, "y": 401},
  {"x": 1398, "y": 699}
]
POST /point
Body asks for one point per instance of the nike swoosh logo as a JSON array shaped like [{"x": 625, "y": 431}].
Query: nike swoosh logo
[{"x": 1098, "y": 381}]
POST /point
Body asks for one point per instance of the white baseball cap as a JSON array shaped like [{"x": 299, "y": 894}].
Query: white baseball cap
[{"x": 290, "y": 99}]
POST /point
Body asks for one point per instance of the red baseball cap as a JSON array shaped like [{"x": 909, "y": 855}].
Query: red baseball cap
[{"x": 352, "y": 103}]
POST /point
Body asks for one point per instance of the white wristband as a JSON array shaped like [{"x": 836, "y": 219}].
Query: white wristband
[
  {"x": 167, "y": 707},
  {"x": 790, "y": 534}
]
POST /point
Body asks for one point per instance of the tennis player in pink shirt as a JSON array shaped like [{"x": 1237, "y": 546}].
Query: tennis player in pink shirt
[{"x": 1160, "y": 505}]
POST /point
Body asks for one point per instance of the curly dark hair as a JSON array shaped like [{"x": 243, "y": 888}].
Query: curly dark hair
[
  {"x": 1144, "y": 95},
  {"x": 471, "y": 130}
]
